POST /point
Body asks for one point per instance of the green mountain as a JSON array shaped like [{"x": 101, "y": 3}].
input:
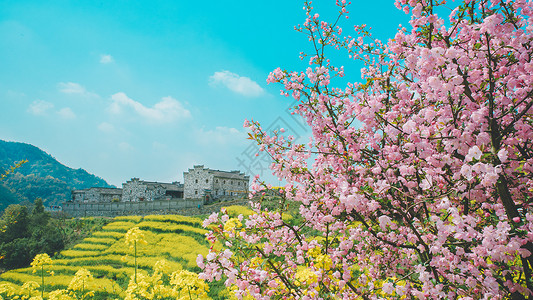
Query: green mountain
[{"x": 41, "y": 177}]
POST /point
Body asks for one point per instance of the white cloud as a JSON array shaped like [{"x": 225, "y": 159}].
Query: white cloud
[
  {"x": 71, "y": 88},
  {"x": 106, "y": 127},
  {"x": 165, "y": 111},
  {"x": 66, "y": 113},
  {"x": 40, "y": 107},
  {"x": 238, "y": 84},
  {"x": 221, "y": 136},
  {"x": 106, "y": 59},
  {"x": 74, "y": 89}
]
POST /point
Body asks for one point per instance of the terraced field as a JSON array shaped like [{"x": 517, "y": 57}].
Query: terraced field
[{"x": 105, "y": 254}]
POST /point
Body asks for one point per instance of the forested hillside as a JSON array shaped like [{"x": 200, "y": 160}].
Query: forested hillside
[{"x": 41, "y": 177}]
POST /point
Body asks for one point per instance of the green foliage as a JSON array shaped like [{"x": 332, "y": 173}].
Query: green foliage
[
  {"x": 14, "y": 223},
  {"x": 17, "y": 253},
  {"x": 23, "y": 235},
  {"x": 8, "y": 196},
  {"x": 75, "y": 230}
]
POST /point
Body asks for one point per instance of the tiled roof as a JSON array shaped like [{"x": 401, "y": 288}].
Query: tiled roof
[
  {"x": 166, "y": 186},
  {"x": 225, "y": 174},
  {"x": 102, "y": 189},
  {"x": 232, "y": 175}
]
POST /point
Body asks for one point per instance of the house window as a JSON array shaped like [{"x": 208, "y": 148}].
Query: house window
[
  {"x": 196, "y": 181},
  {"x": 216, "y": 181},
  {"x": 224, "y": 181},
  {"x": 207, "y": 181},
  {"x": 196, "y": 192}
]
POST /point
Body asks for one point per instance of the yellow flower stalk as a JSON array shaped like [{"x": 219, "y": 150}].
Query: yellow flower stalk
[
  {"x": 132, "y": 237},
  {"x": 39, "y": 262}
]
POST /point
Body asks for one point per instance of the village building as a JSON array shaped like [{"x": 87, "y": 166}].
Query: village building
[
  {"x": 97, "y": 194},
  {"x": 208, "y": 184},
  {"x": 136, "y": 190}
]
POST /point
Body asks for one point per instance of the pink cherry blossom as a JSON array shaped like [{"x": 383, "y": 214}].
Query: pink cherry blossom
[{"x": 417, "y": 179}]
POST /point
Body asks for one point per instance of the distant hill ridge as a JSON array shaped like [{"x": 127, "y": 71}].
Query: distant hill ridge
[{"x": 41, "y": 177}]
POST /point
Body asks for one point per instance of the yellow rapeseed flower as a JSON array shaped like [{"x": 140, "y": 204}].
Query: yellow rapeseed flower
[
  {"x": 232, "y": 224},
  {"x": 256, "y": 262},
  {"x": 59, "y": 295},
  {"x": 323, "y": 261},
  {"x": 28, "y": 288},
  {"x": 134, "y": 235},
  {"x": 188, "y": 283},
  {"x": 7, "y": 289},
  {"x": 80, "y": 280},
  {"x": 40, "y": 260},
  {"x": 139, "y": 288},
  {"x": 161, "y": 267},
  {"x": 305, "y": 276}
]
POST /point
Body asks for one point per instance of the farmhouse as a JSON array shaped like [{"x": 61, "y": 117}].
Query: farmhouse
[
  {"x": 96, "y": 194},
  {"x": 211, "y": 184},
  {"x": 136, "y": 190}
]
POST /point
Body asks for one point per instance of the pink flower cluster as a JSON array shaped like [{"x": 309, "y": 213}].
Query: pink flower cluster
[{"x": 417, "y": 181}]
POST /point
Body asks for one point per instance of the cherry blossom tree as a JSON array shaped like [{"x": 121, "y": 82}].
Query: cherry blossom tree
[{"x": 417, "y": 181}]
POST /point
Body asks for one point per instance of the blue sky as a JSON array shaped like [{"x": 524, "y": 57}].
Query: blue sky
[{"x": 150, "y": 88}]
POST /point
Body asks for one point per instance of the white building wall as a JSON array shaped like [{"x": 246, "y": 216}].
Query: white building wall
[
  {"x": 133, "y": 191},
  {"x": 224, "y": 186},
  {"x": 196, "y": 181},
  {"x": 217, "y": 183},
  {"x": 154, "y": 192}
]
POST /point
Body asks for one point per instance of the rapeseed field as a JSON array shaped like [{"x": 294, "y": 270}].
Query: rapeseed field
[{"x": 110, "y": 264}]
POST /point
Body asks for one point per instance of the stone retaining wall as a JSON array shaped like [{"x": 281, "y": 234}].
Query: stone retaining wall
[
  {"x": 187, "y": 207},
  {"x": 107, "y": 209}
]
